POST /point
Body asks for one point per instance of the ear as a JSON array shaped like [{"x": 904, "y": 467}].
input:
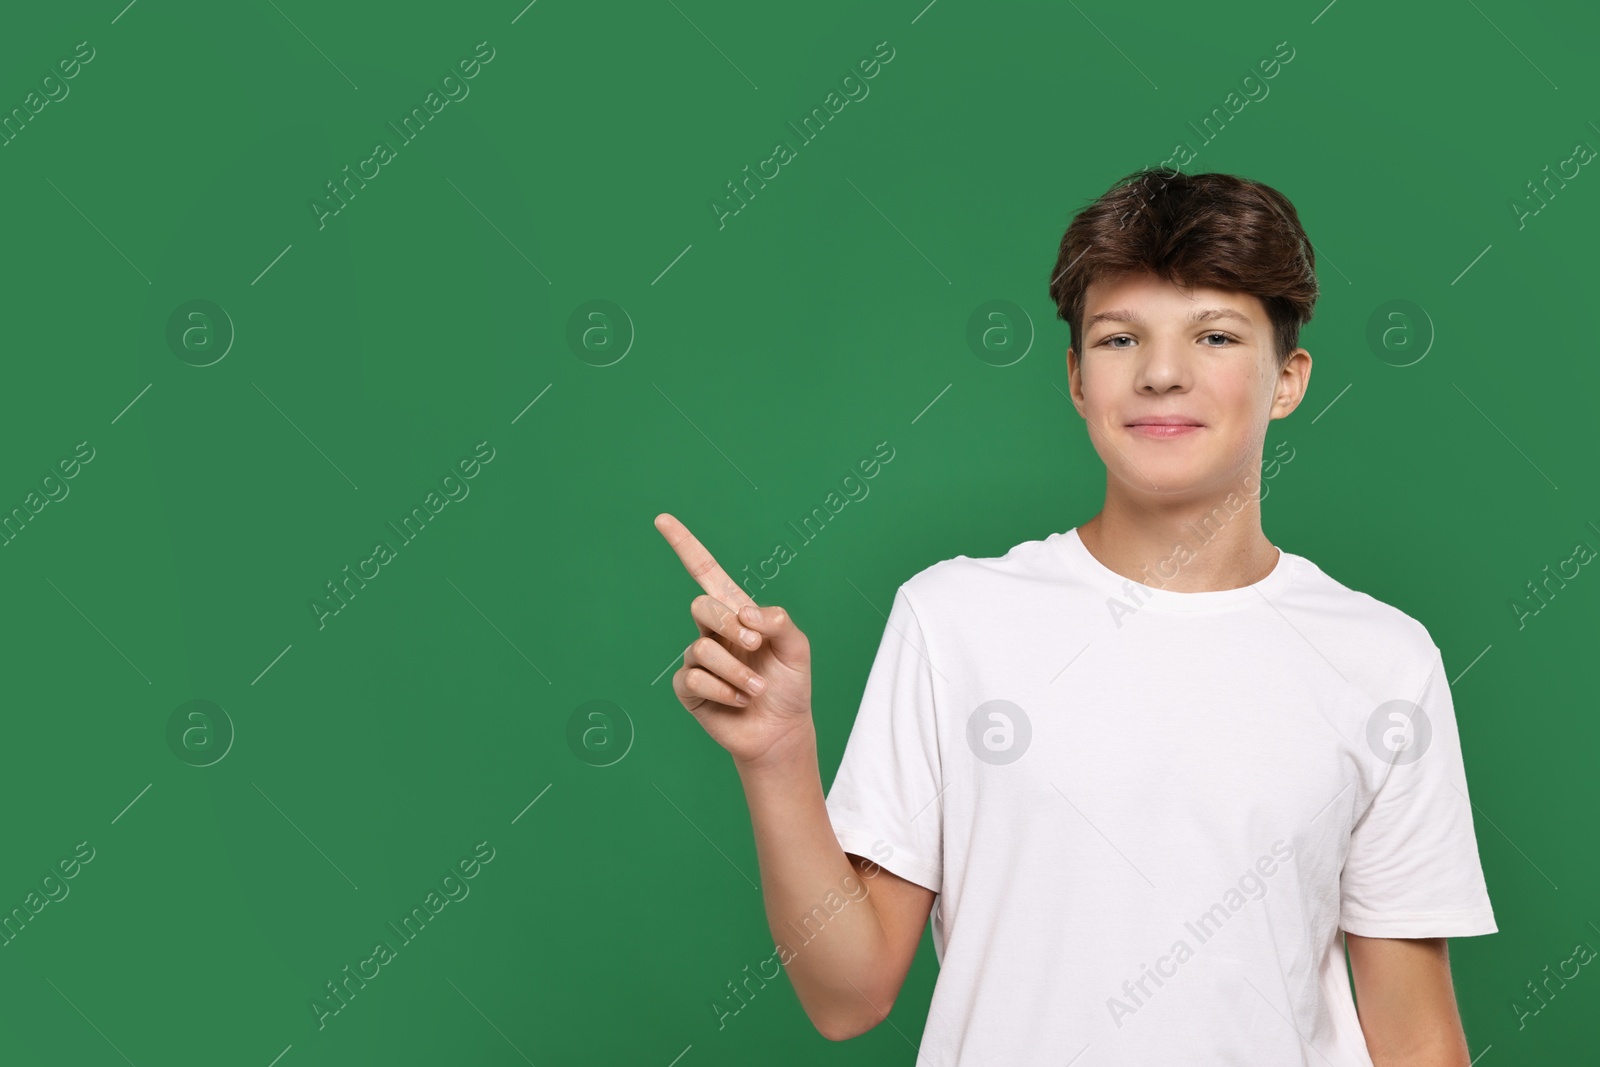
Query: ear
[
  {"x": 1075, "y": 380},
  {"x": 1293, "y": 381}
]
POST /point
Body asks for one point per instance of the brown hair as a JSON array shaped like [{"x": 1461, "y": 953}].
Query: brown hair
[{"x": 1214, "y": 230}]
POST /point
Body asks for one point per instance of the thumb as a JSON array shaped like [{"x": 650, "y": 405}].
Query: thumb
[{"x": 782, "y": 635}]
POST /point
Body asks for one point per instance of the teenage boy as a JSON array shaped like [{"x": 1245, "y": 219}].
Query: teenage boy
[{"x": 1158, "y": 775}]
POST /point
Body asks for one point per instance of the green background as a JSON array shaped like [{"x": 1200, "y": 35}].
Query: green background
[{"x": 764, "y": 359}]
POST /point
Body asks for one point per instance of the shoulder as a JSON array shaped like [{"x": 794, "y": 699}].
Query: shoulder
[
  {"x": 968, "y": 584},
  {"x": 1357, "y": 628}
]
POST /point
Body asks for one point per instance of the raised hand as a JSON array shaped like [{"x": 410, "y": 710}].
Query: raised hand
[{"x": 747, "y": 678}]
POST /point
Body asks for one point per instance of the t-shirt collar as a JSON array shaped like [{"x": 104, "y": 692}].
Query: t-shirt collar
[{"x": 1140, "y": 595}]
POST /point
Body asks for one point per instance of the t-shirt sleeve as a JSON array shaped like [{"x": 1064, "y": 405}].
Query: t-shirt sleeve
[
  {"x": 884, "y": 801},
  {"x": 1412, "y": 869}
]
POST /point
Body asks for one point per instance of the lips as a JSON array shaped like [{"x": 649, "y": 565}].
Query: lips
[
  {"x": 1166, "y": 420},
  {"x": 1162, "y": 427}
]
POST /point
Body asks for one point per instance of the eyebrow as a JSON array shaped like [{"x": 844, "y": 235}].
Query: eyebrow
[{"x": 1197, "y": 315}]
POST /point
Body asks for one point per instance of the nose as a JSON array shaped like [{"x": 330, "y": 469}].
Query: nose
[{"x": 1163, "y": 367}]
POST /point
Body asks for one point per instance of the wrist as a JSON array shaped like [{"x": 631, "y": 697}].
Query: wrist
[{"x": 794, "y": 754}]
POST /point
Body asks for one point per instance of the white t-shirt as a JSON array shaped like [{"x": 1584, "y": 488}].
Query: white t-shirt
[{"x": 1148, "y": 814}]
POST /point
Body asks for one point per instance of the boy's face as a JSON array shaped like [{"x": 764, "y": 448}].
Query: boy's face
[{"x": 1145, "y": 354}]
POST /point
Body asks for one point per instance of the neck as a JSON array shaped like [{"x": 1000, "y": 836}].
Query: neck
[{"x": 1193, "y": 547}]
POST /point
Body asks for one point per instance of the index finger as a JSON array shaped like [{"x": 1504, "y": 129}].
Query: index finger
[{"x": 700, "y": 564}]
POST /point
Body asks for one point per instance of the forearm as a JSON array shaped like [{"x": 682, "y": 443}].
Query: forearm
[
  {"x": 1430, "y": 1040},
  {"x": 1443, "y": 1053},
  {"x": 1406, "y": 1002},
  {"x": 822, "y": 919}
]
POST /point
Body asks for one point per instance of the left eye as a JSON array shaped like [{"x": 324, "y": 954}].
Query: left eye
[{"x": 1224, "y": 336}]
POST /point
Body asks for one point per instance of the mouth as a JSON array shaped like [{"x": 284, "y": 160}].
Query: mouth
[{"x": 1162, "y": 427}]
